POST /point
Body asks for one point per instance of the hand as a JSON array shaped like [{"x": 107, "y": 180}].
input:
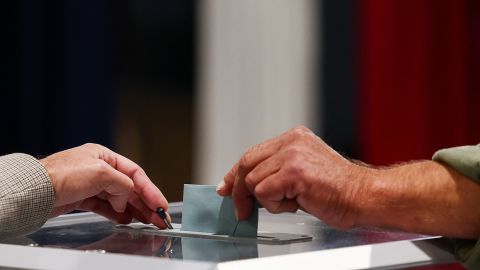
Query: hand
[
  {"x": 296, "y": 170},
  {"x": 94, "y": 178}
]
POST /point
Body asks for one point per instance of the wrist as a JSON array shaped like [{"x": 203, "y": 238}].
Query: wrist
[
  {"x": 367, "y": 190},
  {"x": 395, "y": 197},
  {"x": 406, "y": 198},
  {"x": 48, "y": 168}
]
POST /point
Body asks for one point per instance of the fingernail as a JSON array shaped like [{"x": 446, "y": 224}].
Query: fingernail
[{"x": 220, "y": 186}]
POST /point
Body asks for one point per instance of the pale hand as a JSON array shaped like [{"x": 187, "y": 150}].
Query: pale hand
[{"x": 92, "y": 177}]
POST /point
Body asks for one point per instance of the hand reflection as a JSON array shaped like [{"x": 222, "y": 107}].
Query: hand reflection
[{"x": 133, "y": 243}]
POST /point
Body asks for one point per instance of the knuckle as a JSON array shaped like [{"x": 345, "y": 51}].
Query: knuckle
[
  {"x": 140, "y": 172},
  {"x": 293, "y": 152},
  {"x": 90, "y": 145},
  {"x": 250, "y": 179},
  {"x": 300, "y": 130},
  {"x": 244, "y": 161},
  {"x": 294, "y": 165},
  {"x": 295, "y": 169},
  {"x": 101, "y": 168},
  {"x": 94, "y": 146},
  {"x": 229, "y": 177},
  {"x": 129, "y": 186},
  {"x": 261, "y": 194},
  {"x": 300, "y": 133}
]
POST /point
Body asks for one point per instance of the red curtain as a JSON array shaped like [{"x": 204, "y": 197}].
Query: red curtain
[{"x": 419, "y": 77}]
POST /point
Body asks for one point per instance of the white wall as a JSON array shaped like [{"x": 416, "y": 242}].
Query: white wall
[{"x": 257, "y": 77}]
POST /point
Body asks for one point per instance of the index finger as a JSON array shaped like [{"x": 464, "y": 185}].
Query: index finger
[
  {"x": 147, "y": 191},
  {"x": 255, "y": 155},
  {"x": 242, "y": 197},
  {"x": 250, "y": 159}
]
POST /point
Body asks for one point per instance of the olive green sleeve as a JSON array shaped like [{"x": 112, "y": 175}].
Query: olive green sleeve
[{"x": 466, "y": 160}]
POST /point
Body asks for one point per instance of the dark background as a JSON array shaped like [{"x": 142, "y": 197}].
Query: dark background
[
  {"x": 117, "y": 73},
  {"x": 399, "y": 79}
]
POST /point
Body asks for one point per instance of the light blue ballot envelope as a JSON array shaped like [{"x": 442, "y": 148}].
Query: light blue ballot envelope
[{"x": 206, "y": 211}]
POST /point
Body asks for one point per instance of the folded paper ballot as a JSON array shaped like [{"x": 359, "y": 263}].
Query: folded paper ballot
[{"x": 206, "y": 211}]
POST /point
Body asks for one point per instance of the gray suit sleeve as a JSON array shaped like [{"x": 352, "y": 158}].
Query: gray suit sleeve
[{"x": 26, "y": 195}]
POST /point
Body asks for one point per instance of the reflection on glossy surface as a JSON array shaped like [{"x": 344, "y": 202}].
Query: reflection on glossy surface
[
  {"x": 104, "y": 236},
  {"x": 219, "y": 251},
  {"x": 99, "y": 236}
]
